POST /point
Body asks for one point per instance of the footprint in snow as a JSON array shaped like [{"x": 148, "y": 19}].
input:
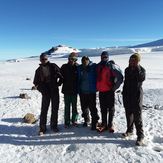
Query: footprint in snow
[
  {"x": 159, "y": 141},
  {"x": 158, "y": 148},
  {"x": 71, "y": 148}
]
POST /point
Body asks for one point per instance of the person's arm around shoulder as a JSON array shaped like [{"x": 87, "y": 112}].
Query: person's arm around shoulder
[{"x": 58, "y": 74}]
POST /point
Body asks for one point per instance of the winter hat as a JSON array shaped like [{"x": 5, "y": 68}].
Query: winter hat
[
  {"x": 44, "y": 55},
  {"x": 104, "y": 53},
  {"x": 136, "y": 56},
  {"x": 73, "y": 55},
  {"x": 84, "y": 58}
]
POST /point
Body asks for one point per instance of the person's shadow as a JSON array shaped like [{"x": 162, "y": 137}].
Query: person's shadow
[{"x": 27, "y": 134}]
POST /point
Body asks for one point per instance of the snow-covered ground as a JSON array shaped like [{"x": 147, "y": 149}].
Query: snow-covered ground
[{"x": 20, "y": 142}]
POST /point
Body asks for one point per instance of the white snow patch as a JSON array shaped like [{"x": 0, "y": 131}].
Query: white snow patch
[{"x": 20, "y": 142}]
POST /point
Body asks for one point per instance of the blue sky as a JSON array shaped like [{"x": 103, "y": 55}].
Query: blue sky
[{"x": 29, "y": 27}]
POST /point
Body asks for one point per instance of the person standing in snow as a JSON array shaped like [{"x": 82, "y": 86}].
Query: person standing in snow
[
  {"x": 46, "y": 81},
  {"x": 87, "y": 91},
  {"x": 69, "y": 89},
  {"x": 109, "y": 78},
  {"x": 133, "y": 96}
]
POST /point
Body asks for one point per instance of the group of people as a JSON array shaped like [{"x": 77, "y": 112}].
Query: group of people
[{"x": 86, "y": 80}]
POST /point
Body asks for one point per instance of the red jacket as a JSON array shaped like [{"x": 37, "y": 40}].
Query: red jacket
[{"x": 105, "y": 78}]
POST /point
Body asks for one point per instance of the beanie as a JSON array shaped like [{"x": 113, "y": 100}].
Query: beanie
[
  {"x": 104, "y": 53},
  {"x": 136, "y": 56},
  {"x": 43, "y": 55},
  {"x": 84, "y": 58},
  {"x": 73, "y": 55}
]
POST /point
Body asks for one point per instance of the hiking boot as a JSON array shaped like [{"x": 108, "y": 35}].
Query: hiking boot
[
  {"x": 127, "y": 134},
  {"x": 94, "y": 126},
  {"x": 102, "y": 128},
  {"x": 98, "y": 124},
  {"x": 41, "y": 132},
  {"x": 87, "y": 119},
  {"x": 85, "y": 124},
  {"x": 111, "y": 129},
  {"x": 75, "y": 124},
  {"x": 67, "y": 126},
  {"x": 139, "y": 141},
  {"x": 55, "y": 129}
]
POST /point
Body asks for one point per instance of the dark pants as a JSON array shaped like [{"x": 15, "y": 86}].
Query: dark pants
[
  {"x": 107, "y": 104},
  {"x": 46, "y": 98},
  {"x": 70, "y": 100},
  {"x": 88, "y": 102},
  {"x": 135, "y": 117}
]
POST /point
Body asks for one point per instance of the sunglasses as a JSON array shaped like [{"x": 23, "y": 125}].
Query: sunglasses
[
  {"x": 44, "y": 59},
  {"x": 73, "y": 59},
  {"x": 104, "y": 57}
]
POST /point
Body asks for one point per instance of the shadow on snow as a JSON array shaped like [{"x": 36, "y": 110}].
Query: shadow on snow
[{"x": 26, "y": 134}]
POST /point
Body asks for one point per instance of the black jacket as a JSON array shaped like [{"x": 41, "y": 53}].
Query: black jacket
[
  {"x": 132, "y": 88},
  {"x": 69, "y": 73},
  {"x": 52, "y": 85}
]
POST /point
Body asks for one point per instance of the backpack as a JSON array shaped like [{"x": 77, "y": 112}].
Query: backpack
[{"x": 118, "y": 79}]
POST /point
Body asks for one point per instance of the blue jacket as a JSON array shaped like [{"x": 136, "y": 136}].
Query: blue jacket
[{"x": 87, "y": 78}]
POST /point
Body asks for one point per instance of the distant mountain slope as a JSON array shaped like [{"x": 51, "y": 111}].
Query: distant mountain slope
[
  {"x": 61, "y": 50},
  {"x": 64, "y": 51},
  {"x": 111, "y": 51},
  {"x": 150, "y": 44}
]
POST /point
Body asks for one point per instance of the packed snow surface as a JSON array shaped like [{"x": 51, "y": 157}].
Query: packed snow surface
[{"x": 20, "y": 141}]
